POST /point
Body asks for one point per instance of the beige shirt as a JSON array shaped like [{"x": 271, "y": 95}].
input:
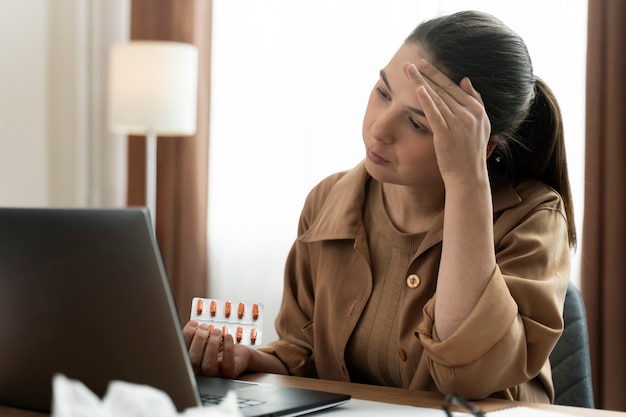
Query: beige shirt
[
  {"x": 371, "y": 354},
  {"x": 502, "y": 348}
]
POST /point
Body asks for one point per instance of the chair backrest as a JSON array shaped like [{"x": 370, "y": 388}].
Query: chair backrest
[{"x": 571, "y": 365}]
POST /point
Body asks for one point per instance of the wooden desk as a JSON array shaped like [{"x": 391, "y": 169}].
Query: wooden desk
[
  {"x": 374, "y": 393},
  {"x": 410, "y": 397}
]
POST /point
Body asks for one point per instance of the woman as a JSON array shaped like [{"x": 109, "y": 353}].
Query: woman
[{"x": 442, "y": 260}]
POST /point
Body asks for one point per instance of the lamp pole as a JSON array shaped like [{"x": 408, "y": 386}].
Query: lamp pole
[{"x": 151, "y": 175}]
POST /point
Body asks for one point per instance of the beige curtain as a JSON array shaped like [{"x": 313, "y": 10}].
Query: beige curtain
[
  {"x": 603, "y": 266},
  {"x": 182, "y": 163}
]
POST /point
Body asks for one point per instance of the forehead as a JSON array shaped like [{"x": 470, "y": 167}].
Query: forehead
[{"x": 408, "y": 52}]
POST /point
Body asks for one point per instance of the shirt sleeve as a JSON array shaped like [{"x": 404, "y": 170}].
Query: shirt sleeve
[
  {"x": 293, "y": 323},
  {"x": 507, "y": 339}
]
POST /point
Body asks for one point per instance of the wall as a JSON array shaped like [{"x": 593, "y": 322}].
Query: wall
[
  {"x": 23, "y": 102},
  {"x": 55, "y": 149}
]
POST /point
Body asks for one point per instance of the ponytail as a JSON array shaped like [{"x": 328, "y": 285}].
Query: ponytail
[{"x": 537, "y": 150}]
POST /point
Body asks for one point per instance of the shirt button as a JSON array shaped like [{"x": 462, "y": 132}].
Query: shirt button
[
  {"x": 413, "y": 281},
  {"x": 402, "y": 354}
]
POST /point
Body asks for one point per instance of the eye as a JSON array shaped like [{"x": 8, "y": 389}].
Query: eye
[
  {"x": 383, "y": 94},
  {"x": 416, "y": 126}
]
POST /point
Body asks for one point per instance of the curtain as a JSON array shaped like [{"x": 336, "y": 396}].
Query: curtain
[
  {"x": 604, "y": 227},
  {"x": 182, "y": 163}
]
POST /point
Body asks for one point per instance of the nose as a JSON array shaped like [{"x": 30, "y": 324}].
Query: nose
[{"x": 384, "y": 126}]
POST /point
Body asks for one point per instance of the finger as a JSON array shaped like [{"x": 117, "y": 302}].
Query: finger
[
  {"x": 468, "y": 87},
  {"x": 436, "y": 94},
  {"x": 431, "y": 111},
  {"x": 189, "y": 330},
  {"x": 462, "y": 100},
  {"x": 210, "y": 365},
  {"x": 432, "y": 104},
  {"x": 197, "y": 345},
  {"x": 443, "y": 84},
  {"x": 228, "y": 367}
]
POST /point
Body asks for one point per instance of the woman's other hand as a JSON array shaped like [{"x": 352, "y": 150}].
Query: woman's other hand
[{"x": 212, "y": 354}]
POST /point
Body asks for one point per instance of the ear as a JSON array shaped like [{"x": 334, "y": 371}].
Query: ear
[{"x": 491, "y": 145}]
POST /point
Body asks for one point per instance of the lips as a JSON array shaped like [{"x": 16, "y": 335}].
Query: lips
[{"x": 375, "y": 158}]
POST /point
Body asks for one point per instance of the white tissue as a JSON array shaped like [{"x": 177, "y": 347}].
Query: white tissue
[{"x": 71, "y": 398}]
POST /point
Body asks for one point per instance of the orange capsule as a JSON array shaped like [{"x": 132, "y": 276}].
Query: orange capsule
[
  {"x": 199, "y": 306},
  {"x": 241, "y": 310},
  {"x": 253, "y": 336},
  {"x": 224, "y": 331},
  {"x": 211, "y": 328},
  {"x": 227, "y": 309},
  {"x": 255, "y": 311},
  {"x": 239, "y": 334},
  {"x": 213, "y": 308}
]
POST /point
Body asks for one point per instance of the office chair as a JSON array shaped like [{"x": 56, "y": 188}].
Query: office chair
[{"x": 571, "y": 365}]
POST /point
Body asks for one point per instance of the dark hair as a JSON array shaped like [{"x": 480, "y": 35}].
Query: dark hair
[{"x": 525, "y": 118}]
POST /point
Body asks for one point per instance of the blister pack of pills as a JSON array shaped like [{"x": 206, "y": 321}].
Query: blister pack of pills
[{"x": 242, "y": 319}]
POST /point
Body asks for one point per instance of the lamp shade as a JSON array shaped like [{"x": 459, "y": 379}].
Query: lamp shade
[{"x": 153, "y": 88}]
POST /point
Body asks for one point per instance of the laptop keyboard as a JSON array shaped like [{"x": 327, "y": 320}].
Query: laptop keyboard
[{"x": 209, "y": 399}]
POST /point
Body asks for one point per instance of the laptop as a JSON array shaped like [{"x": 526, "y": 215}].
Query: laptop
[{"x": 84, "y": 292}]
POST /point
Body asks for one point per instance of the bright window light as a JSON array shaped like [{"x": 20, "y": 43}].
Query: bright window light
[{"x": 290, "y": 81}]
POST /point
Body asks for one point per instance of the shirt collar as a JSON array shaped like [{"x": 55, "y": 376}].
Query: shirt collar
[{"x": 341, "y": 216}]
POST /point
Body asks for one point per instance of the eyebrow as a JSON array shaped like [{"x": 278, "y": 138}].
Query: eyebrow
[{"x": 383, "y": 77}]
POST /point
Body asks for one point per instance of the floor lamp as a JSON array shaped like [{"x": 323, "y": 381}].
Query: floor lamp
[{"x": 153, "y": 89}]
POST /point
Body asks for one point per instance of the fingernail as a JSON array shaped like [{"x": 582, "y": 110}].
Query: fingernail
[
  {"x": 204, "y": 326},
  {"x": 413, "y": 70},
  {"x": 424, "y": 64},
  {"x": 193, "y": 324}
]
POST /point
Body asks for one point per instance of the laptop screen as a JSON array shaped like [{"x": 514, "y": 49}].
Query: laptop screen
[{"x": 84, "y": 292}]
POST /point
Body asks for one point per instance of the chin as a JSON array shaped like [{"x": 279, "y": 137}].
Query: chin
[{"x": 377, "y": 172}]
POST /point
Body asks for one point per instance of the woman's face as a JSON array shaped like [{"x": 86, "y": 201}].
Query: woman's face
[{"x": 398, "y": 140}]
